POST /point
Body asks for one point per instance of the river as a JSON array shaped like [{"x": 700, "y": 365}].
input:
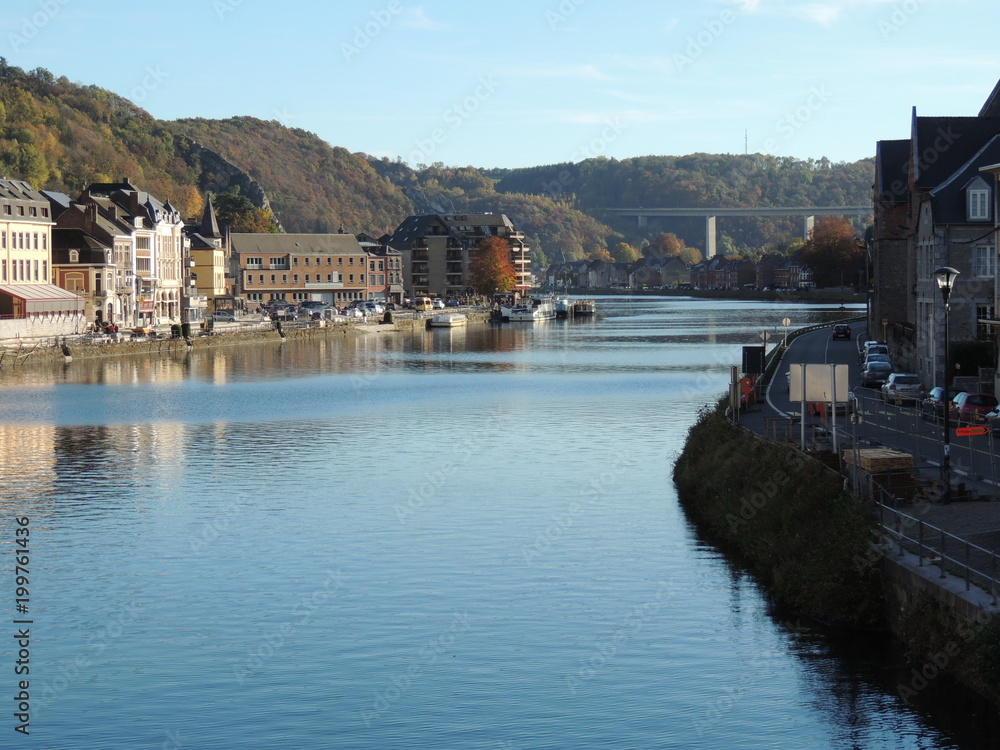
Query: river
[{"x": 450, "y": 539}]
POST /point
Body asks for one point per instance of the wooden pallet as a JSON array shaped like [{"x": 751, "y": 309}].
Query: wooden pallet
[{"x": 875, "y": 460}]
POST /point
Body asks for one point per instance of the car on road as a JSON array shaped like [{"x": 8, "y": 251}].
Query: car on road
[
  {"x": 933, "y": 404},
  {"x": 972, "y": 407},
  {"x": 875, "y": 373},
  {"x": 993, "y": 420},
  {"x": 438, "y": 303},
  {"x": 902, "y": 387},
  {"x": 224, "y": 316},
  {"x": 842, "y": 331}
]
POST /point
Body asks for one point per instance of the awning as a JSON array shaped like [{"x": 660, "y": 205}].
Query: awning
[{"x": 42, "y": 298}]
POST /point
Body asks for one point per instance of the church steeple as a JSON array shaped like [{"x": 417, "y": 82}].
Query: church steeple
[{"x": 209, "y": 225}]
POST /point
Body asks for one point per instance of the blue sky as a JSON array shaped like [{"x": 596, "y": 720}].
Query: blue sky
[{"x": 527, "y": 83}]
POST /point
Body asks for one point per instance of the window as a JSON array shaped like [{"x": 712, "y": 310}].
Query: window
[
  {"x": 3, "y": 240},
  {"x": 6, "y": 210},
  {"x": 307, "y": 275},
  {"x": 340, "y": 261},
  {"x": 249, "y": 279},
  {"x": 329, "y": 278},
  {"x": 274, "y": 279},
  {"x": 351, "y": 278},
  {"x": 142, "y": 264},
  {"x": 350, "y": 261},
  {"x": 36, "y": 271},
  {"x": 329, "y": 260},
  {"x": 978, "y": 198},
  {"x": 985, "y": 261},
  {"x": 262, "y": 278},
  {"x": 362, "y": 279},
  {"x": 284, "y": 278},
  {"x": 255, "y": 263},
  {"x": 32, "y": 211},
  {"x": 45, "y": 242},
  {"x": 295, "y": 278},
  {"x": 985, "y": 312},
  {"x": 74, "y": 256},
  {"x": 36, "y": 240},
  {"x": 142, "y": 243},
  {"x": 3, "y": 266},
  {"x": 307, "y": 261}
]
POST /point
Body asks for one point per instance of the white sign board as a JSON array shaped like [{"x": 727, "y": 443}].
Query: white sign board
[{"x": 824, "y": 383}]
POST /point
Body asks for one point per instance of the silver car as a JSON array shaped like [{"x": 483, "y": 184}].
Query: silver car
[{"x": 903, "y": 386}]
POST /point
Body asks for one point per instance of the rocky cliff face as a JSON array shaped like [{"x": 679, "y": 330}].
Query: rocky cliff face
[{"x": 218, "y": 174}]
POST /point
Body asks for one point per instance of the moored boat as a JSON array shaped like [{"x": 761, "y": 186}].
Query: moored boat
[
  {"x": 452, "y": 320},
  {"x": 584, "y": 307},
  {"x": 530, "y": 310}
]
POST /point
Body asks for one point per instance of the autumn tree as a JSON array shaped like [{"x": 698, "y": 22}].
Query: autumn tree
[
  {"x": 238, "y": 211},
  {"x": 666, "y": 245},
  {"x": 625, "y": 253},
  {"x": 832, "y": 252},
  {"x": 491, "y": 268}
]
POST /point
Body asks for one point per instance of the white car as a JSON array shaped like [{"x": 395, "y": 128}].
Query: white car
[{"x": 438, "y": 303}]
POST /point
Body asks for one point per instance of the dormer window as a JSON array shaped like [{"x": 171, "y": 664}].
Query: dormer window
[
  {"x": 74, "y": 256},
  {"x": 978, "y": 200}
]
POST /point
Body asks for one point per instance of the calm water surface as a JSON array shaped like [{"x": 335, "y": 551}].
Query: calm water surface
[{"x": 455, "y": 539}]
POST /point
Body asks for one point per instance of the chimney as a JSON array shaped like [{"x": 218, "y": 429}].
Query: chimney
[{"x": 91, "y": 213}]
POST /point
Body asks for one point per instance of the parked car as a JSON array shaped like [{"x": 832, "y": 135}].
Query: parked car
[
  {"x": 875, "y": 373},
  {"x": 871, "y": 349},
  {"x": 438, "y": 303},
  {"x": 876, "y": 357},
  {"x": 902, "y": 387},
  {"x": 842, "y": 331},
  {"x": 284, "y": 313},
  {"x": 224, "y": 316},
  {"x": 972, "y": 407},
  {"x": 993, "y": 420},
  {"x": 933, "y": 404}
]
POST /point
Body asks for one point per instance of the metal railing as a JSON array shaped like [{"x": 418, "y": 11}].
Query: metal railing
[{"x": 935, "y": 546}]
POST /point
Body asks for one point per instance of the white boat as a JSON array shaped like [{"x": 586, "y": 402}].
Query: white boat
[
  {"x": 452, "y": 320},
  {"x": 564, "y": 307},
  {"x": 530, "y": 310}
]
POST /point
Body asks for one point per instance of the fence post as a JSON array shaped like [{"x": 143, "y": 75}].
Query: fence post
[
  {"x": 920, "y": 542},
  {"x": 941, "y": 557}
]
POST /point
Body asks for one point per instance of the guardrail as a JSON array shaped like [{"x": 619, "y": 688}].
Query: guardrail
[
  {"x": 775, "y": 355},
  {"x": 935, "y": 546}
]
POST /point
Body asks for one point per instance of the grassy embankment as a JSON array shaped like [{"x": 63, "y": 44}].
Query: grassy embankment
[{"x": 804, "y": 536}]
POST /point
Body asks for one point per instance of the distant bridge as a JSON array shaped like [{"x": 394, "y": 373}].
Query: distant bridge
[{"x": 809, "y": 213}]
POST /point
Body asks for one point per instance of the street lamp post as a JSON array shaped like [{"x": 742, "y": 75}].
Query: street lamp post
[{"x": 946, "y": 279}]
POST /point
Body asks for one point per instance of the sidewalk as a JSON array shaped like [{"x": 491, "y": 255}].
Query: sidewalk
[{"x": 974, "y": 521}]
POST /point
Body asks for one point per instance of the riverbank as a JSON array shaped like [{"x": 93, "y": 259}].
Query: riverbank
[
  {"x": 49, "y": 352},
  {"x": 811, "y": 543},
  {"x": 788, "y": 515}
]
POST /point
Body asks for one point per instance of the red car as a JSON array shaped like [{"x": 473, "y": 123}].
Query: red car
[{"x": 972, "y": 407}]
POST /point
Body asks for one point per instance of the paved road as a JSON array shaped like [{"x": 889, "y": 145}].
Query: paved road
[{"x": 975, "y": 463}]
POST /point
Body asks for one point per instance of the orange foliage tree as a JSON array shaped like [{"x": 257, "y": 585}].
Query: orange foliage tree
[
  {"x": 491, "y": 268},
  {"x": 832, "y": 252}
]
